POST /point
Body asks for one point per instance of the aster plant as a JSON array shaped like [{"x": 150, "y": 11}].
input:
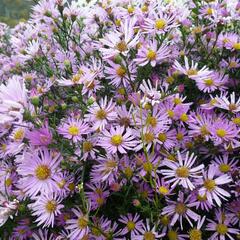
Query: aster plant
[{"x": 120, "y": 119}]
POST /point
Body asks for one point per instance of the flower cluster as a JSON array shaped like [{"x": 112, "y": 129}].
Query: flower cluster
[{"x": 121, "y": 120}]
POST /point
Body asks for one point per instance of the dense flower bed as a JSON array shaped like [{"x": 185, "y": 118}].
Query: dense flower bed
[{"x": 121, "y": 121}]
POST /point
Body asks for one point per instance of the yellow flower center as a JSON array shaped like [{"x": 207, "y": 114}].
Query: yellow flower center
[
  {"x": 76, "y": 78},
  {"x": 162, "y": 137},
  {"x": 148, "y": 137},
  {"x": 147, "y": 166},
  {"x": 130, "y": 225},
  {"x": 209, "y": 11},
  {"x": 213, "y": 102},
  {"x": 236, "y": 46},
  {"x": 101, "y": 114},
  {"x": 221, "y": 133},
  {"x": 209, "y": 184},
  {"x": 118, "y": 22},
  {"x": 151, "y": 55},
  {"x": 224, "y": 168},
  {"x": 164, "y": 220},
  {"x": 192, "y": 72},
  {"x": 172, "y": 235},
  {"x": 128, "y": 172},
  {"x": 208, "y": 82},
  {"x": 130, "y": 9},
  {"x": 71, "y": 186},
  {"x": 195, "y": 234},
  {"x": 163, "y": 190},
  {"x": 202, "y": 198},
  {"x": 222, "y": 229},
  {"x": 180, "y": 208},
  {"x": 62, "y": 183},
  {"x": 4, "y": 147},
  {"x": 73, "y": 130},
  {"x": 82, "y": 222},
  {"x": 184, "y": 117},
  {"x": 87, "y": 146},
  {"x": 144, "y": 8},
  {"x": 177, "y": 101},
  {"x": 8, "y": 182},
  {"x": 152, "y": 121},
  {"x": 43, "y": 172},
  {"x": 182, "y": 172},
  {"x": 149, "y": 236},
  {"x": 116, "y": 140},
  {"x": 236, "y": 120},
  {"x": 51, "y": 206},
  {"x": 170, "y": 113},
  {"x": 204, "y": 130},
  {"x": 233, "y": 64},
  {"x": 160, "y": 24},
  {"x": 121, "y": 46},
  {"x": 111, "y": 164},
  {"x": 100, "y": 201},
  {"x": 179, "y": 136},
  {"x": 19, "y": 135},
  {"x": 121, "y": 71}
]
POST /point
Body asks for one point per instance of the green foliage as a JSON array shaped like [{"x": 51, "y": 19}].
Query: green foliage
[{"x": 13, "y": 11}]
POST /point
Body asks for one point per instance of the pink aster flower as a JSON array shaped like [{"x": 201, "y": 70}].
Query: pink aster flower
[
  {"x": 231, "y": 105},
  {"x": 45, "y": 208},
  {"x": 120, "y": 73},
  {"x": 182, "y": 172},
  {"x": 150, "y": 53},
  {"x": 160, "y": 22},
  {"x": 222, "y": 228},
  {"x": 100, "y": 114},
  {"x": 133, "y": 224},
  {"x": 40, "y": 137},
  {"x": 215, "y": 81},
  {"x": 13, "y": 100},
  {"x": 78, "y": 226},
  {"x": 179, "y": 210},
  {"x": 73, "y": 129},
  {"x": 192, "y": 71},
  {"x": 211, "y": 185},
  {"x": 117, "y": 139},
  {"x": 38, "y": 171},
  {"x": 224, "y": 132},
  {"x": 115, "y": 43}
]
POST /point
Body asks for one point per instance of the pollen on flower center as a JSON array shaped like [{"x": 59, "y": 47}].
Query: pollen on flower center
[
  {"x": 151, "y": 55},
  {"x": 152, "y": 121},
  {"x": 182, "y": 172},
  {"x": 121, "y": 71},
  {"x": 162, "y": 137},
  {"x": 222, "y": 229},
  {"x": 147, "y": 166},
  {"x": 160, "y": 24},
  {"x": 209, "y": 184},
  {"x": 73, "y": 130},
  {"x": 192, "y": 72},
  {"x": 117, "y": 140},
  {"x": 18, "y": 134},
  {"x": 202, "y": 198},
  {"x": 130, "y": 225},
  {"x": 209, "y": 11},
  {"x": 43, "y": 172},
  {"x": 221, "y": 133},
  {"x": 51, "y": 206},
  {"x": 164, "y": 220},
  {"x": 163, "y": 190},
  {"x": 87, "y": 146},
  {"x": 195, "y": 234},
  {"x": 101, "y": 114},
  {"x": 180, "y": 208},
  {"x": 8, "y": 182},
  {"x": 82, "y": 222},
  {"x": 224, "y": 168},
  {"x": 149, "y": 236},
  {"x": 121, "y": 46},
  {"x": 148, "y": 137},
  {"x": 236, "y": 46},
  {"x": 208, "y": 82},
  {"x": 172, "y": 235}
]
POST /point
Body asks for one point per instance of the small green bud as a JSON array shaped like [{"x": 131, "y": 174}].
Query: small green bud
[
  {"x": 118, "y": 59},
  {"x": 75, "y": 99},
  {"x": 35, "y": 101}
]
